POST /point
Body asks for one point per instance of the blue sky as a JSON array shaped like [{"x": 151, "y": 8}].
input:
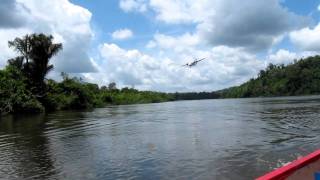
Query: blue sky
[
  {"x": 108, "y": 17},
  {"x": 143, "y": 43}
]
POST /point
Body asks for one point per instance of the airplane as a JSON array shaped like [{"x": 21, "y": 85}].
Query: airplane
[{"x": 195, "y": 62}]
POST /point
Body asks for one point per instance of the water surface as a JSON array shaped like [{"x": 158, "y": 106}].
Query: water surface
[{"x": 208, "y": 139}]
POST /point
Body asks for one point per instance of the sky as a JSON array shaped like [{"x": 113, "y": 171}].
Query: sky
[{"x": 143, "y": 43}]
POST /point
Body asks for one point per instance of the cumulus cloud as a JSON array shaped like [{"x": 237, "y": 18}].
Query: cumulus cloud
[
  {"x": 222, "y": 68},
  {"x": 168, "y": 11},
  {"x": 68, "y": 23},
  {"x": 307, "y": 39},
  {"x": 253, "y": 25},
  {"x": 122, "y": 34},
  {"x": 11, "y": 14},
  {"x": 283, "y": 56},
  {"x": 180, "y": 11},
  {"x": 133, "y": 5},
  {"x": 177, "y": 43}
]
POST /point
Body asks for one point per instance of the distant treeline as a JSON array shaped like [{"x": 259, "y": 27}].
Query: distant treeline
[
  {"x": 302, "y": 77},
  {"x": 195, "y": 95}
]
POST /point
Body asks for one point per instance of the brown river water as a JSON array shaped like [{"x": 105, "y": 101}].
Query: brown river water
[{"x": 207, "y": 139}]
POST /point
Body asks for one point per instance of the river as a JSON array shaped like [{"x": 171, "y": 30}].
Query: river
[{"x": 207, "y": 139}]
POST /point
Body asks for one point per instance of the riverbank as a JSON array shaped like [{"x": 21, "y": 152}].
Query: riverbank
[{"x": 70, "y": 93}]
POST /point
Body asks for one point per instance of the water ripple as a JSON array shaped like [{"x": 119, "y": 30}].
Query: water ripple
[{"x": 210, "y": 139}]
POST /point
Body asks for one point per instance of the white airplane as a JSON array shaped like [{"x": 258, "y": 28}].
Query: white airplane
[{"x": 195, "y": 62}]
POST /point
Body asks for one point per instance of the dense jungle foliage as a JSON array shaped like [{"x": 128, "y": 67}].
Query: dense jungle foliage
[
  {"x": 195, "y": 95},
  {"x": 298, "y": 78}
]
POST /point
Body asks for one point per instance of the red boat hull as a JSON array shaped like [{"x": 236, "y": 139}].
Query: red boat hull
[{"x": 303, "y": 168}]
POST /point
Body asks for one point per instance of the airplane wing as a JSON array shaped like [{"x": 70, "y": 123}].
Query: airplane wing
[{"x": 201, "y": 59}]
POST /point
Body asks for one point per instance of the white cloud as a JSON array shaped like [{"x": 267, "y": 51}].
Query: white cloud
[
  {"x": 283, "y": 56},
  {"x": 133, "y": 5},
  {"x": 122, "y": 34},
  {"x": 253, "y": 25},
  {"x": 151, "y": 44},
  {"x": 56, "y": 18},
  {"x": 180, "y": 11},
  {"x": 169, "y": 11},
  {"x": 222, "y": 68},
  {"x": 177, "y": 43},
  {"x": 307, "y": 39}
]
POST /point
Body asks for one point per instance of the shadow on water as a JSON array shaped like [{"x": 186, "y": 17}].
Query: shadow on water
[{"x": 26, "y": 148}]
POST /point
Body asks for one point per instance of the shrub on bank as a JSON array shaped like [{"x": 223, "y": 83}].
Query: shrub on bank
[{"x": 14, "y": 95}]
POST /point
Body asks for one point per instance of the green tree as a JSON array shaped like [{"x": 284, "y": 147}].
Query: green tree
[
  {"x": 35, "y": 51},
  {"x": 14, "y": 96},
  {"x": 112, "y": 86}
]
